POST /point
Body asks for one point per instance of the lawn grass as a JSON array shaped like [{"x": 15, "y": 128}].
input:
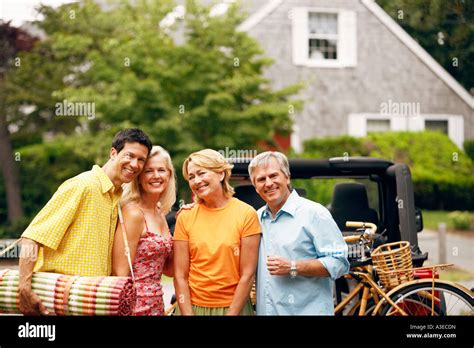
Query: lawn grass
[
  {"x": 454, "y": 274},
  {"x": 431, "y": 219}
]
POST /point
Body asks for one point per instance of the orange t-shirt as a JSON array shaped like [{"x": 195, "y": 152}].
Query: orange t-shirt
[{"x": 214, "y": 237}]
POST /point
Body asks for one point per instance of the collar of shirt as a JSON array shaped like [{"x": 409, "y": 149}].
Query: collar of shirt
[
  {"x": 289, "y": 207},
  {"x": 106, "y": 184}
]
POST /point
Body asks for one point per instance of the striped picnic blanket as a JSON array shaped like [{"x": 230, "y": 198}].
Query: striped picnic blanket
[{"x": 71, "y": 295}]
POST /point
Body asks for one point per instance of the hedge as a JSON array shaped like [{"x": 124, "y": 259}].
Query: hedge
[
  {"x": 469, "y": 148},
  {"x": 443, "y": 174}
]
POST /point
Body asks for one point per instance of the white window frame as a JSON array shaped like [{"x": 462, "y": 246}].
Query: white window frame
[
  {"x": 442, "y": 120},
  {"x": 383, "y": 119},
  {"x": 357, "y": 124},
  {"x": 328, "y": 37},
  {"x": 346, "y": 40}
]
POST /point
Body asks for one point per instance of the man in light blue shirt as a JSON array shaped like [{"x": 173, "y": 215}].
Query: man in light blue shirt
[{"x": 301, "y": 251}]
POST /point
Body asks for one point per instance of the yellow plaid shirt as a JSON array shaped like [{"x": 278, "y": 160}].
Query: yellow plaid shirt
[{"x": 77, "y": 226}]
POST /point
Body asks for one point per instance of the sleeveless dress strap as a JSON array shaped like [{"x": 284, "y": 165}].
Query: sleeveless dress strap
[{"x": 144, "y": 218}]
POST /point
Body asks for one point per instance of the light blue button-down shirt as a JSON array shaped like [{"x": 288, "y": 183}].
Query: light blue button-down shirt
[{"x": 301, "y": 230}]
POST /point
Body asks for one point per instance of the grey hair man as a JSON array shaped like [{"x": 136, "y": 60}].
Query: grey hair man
[{"x": 301, "y": 251}]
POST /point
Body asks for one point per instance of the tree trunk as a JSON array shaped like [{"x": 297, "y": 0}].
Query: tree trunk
[{"x": 10, "y": 172}]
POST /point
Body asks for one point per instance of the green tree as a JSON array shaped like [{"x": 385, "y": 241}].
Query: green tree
[
  {"x": 13, "y": 41},
  {"x": 445, "y": 28},
  {"x": 30, "y": 74},
  {"x": 206, "y": 92},
  {"x": 198, "y": 83}
]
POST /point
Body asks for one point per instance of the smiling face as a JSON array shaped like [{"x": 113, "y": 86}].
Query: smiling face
[
  {"x": 129, "y": 162},
  {"x": 204, "y": 182},
  {"x": 155, "y": 175},
  {"x": 272, "y": 184}
]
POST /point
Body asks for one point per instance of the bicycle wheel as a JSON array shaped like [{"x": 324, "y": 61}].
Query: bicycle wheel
[{"x": 417, "y": 300}]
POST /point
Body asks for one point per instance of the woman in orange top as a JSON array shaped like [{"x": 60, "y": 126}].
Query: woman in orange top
[{"x": 215, "y": 242}]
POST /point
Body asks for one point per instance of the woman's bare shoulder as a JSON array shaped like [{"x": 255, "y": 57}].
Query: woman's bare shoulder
[{"x": 132, "y": 212}]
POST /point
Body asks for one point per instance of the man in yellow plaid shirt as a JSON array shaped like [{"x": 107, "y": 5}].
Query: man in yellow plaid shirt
[{"x": 73, "y": 234}]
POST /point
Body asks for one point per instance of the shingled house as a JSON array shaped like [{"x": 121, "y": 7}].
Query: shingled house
[{"x": 362, "y": 70}]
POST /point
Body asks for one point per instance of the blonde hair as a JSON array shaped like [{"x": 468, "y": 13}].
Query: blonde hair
[
  {"x": 211, "y": 160},
  {"x": 132, "y": 191}
]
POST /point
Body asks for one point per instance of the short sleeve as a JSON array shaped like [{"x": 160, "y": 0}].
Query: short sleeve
[
  {"x": 52, "y": 222},
  {"x": 180, "y": 232},
  {"x": 251, "y": 224}
]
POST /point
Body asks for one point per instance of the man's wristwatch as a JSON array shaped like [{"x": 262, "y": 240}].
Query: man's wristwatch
[{"x": 293, "y": 271}]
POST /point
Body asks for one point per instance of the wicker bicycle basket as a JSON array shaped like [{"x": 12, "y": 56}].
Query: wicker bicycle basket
[{"x": 393, "y": 263}]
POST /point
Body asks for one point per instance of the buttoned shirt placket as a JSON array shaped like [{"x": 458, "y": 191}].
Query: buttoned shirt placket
[{"x": 271, "y": 251}]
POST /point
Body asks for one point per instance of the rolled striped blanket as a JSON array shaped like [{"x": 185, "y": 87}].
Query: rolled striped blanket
[{"x": 71, "y": 295}]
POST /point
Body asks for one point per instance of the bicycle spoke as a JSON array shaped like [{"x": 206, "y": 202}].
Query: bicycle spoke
[{"x": 418, "y": 300}]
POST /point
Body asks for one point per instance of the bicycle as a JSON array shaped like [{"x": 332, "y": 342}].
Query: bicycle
[{"x": 386, "y": 283}]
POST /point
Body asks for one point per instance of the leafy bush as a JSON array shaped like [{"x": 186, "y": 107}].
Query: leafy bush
[
  {"x": 443, "y": 175},
  {"x": 469, "y": 148},
  {"x": 461, "y": 220},
  {"x": 335, "y": 147}
]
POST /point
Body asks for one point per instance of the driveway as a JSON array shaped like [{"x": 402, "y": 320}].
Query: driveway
[{"x": 459, "y": 250}]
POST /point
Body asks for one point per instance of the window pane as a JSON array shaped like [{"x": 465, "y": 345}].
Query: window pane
[
  {"x": 378, "y": 125},
  {"x": 435, "y": 125},
  {"x": 322, "y": 23},
  {"x": 320, "y": 49}
]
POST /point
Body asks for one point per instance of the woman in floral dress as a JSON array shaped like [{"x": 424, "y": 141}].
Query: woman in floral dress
[{"x": 145, "y": 202}]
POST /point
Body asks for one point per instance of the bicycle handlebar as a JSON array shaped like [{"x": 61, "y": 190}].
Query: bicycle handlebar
[
  {"x": 352, "y": 239},
  {"x": 366, "y": 235},
  {"x": 359, "y": 224}
]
